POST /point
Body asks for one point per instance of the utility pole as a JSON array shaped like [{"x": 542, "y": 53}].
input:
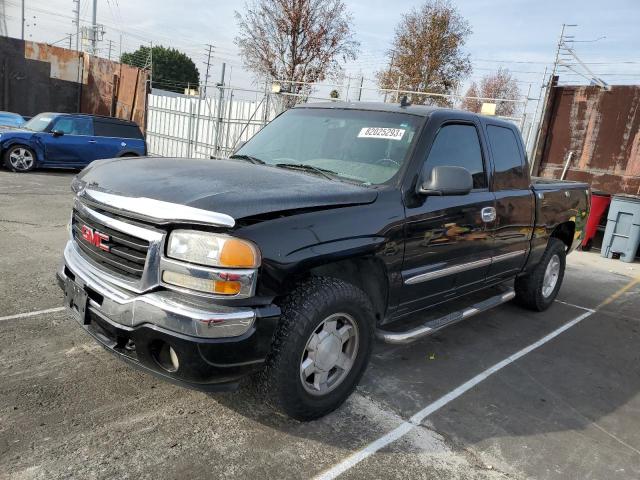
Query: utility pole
[
  {"x": 206, "y": 75},
  {"x": 537, "y": 141},
  {"x": 360, "y": 89},
  {"x": 23, "y": 19},
  {"x": 94, "y": 28},
  {"x": 393, "y": 57},
  {"x": 77, "y": 23},
  {"x": 202, "y": 90},
  {"x": 110, "y": 47},
  {"x": 70, "y": 38},
  {"x": 3, "y": 19},
  {"x": 216, "y": 144}
]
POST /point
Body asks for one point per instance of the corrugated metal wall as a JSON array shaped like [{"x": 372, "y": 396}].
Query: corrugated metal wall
[
  {"x": 185, "y": 126},
  {"x": 601, "y": 128},
  {"x": 36, "y": 77}
]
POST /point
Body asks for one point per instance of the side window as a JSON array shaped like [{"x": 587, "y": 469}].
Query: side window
[
  {"x": 64, "y": 125},
  {"x": 117, "y": 130},
  {"x": 459, "y": 146},
  {"x": 507, "y": 158},
  {"x": 74, "y": 125}
]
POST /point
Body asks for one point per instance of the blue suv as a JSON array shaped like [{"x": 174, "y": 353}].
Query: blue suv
[{"x": 67, "y": 140}]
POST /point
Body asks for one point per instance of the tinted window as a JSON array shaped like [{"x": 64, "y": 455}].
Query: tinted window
[
  {"x": 458, "y": 146},
  {"x": 115, "y": 129},
  {"x": 74, "y": 125},
  {"x": 507, "y": 158}
]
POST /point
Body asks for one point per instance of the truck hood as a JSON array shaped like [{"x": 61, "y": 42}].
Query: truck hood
[{"x": 234, "y": 187}]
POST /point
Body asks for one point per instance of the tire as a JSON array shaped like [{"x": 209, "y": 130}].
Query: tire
[
  {"x": 537, "y": 290},
  {"x": 20, "y": 158},
  {"x": 307, "y": 318}
]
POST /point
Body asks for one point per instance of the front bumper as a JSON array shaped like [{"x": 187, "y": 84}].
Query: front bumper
[{"x": 216, "y": 345}]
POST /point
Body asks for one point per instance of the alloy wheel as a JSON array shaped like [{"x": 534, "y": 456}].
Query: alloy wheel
[
  {"x": 551, "y": 274},
  {"x": 21, "y": 159},
  {"x": 329, "y": 354}
]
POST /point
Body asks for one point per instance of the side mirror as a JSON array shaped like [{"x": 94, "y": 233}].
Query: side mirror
[
  {"x": 57, "y": 133},
  {"x": 447, "y": 180}
]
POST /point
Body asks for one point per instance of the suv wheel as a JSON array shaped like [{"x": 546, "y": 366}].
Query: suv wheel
[
  {"x": 537, "y": 290},
  {"x": 20, "y": 158},
  {"x": 320, "y": 350}
]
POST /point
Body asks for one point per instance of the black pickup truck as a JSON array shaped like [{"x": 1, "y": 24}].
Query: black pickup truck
[{"x": 335, "y": 224}]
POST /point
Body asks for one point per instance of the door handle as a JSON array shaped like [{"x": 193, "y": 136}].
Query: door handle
[
  {"x": 488, "y": 214},
  {"x": 92, "y": 141}
]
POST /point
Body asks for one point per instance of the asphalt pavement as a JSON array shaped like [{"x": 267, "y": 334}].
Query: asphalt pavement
[{"x": 506, "y": 394}]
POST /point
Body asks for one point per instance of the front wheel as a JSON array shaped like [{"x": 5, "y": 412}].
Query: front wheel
[
  {"x": 537, "y": 290},
  {"x": 320, "y": 350},
  {"x": 20, "y": 158}
]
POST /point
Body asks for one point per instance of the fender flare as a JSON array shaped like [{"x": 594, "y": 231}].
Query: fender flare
[
  {"x": 4, "y": 146},
  {"x": 128, "y": 153}
]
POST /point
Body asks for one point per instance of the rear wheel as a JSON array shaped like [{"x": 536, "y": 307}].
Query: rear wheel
[
  {"x": 321, "y": 348},
  {"x": 20, "y": 158},
  {"x": 537, "y": 290}
]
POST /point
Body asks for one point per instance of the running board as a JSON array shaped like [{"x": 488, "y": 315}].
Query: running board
[{"x": 433, "y": 326}]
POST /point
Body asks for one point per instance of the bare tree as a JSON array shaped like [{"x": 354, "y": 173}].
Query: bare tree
[
  {"x": 427, "y": 52},
  {"x": 498, "y": 85},
  {"x": 296, "y": 41}
]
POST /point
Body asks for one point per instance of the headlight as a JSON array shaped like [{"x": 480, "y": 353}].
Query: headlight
[
  {"x": 234, "y": 263},
  {"x": 212, "y": 249}
]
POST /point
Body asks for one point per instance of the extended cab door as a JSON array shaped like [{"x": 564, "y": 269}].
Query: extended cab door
[
  {"x": 70, "y": 141},
  {"x": 448, "y": 244},
  {"x": 515, "y": 204}
]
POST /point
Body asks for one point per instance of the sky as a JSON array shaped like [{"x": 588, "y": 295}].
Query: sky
[{"x": 515, "y": 34}]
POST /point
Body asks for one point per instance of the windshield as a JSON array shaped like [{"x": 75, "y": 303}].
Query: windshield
[
  {"x": 357, "y": 145},
  {"x": 40, "y": 122},
  {"x": 11, "y": 120}
]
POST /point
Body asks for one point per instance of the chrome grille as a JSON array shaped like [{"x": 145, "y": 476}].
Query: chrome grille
[{"x": 126, "y": 255}]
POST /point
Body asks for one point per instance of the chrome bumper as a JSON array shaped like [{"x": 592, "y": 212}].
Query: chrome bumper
[{"x": 174, "y": 311}]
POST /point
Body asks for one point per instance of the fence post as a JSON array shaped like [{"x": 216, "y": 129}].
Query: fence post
[
  {"x": 216, "y": 141},
  {"x": 229, "y": 108},
  {"x": 189, "y": 122}
]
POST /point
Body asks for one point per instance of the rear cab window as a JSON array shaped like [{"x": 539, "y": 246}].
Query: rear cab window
[
  {"x": 106, "y": 128},
  {"x": 508, "y": 160},
  {"x": 458, "y": 145}
]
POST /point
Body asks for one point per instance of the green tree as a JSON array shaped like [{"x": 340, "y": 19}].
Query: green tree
[{"x": 172, "y": 69}]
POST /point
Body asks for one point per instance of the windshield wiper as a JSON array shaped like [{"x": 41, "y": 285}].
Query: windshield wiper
[
  {"x": 326, "y": 173},
  {"x": 248, "y": 158}
]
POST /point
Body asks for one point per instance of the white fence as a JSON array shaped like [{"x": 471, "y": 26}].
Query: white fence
[{"x": 185, "y": 126}]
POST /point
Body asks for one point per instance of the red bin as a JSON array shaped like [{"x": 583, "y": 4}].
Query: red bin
[{"x": 599, "y": 205}]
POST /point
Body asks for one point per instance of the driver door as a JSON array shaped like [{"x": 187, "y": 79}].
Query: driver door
[
  {"x": 448, "y": 244},
  {"x": 74, "y": 142}
]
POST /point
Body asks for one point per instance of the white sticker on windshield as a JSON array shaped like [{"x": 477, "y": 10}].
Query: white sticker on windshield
[{"x": 382, "y": 132}]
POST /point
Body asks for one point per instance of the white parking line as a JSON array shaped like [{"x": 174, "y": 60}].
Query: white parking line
[
  {"x": 576, "y": 306},
  {"x": 31, "y": 314},
  {"x": 416, "y": 419}
]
